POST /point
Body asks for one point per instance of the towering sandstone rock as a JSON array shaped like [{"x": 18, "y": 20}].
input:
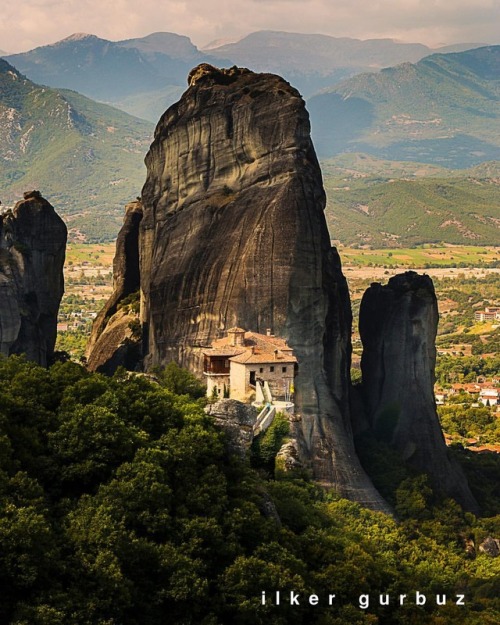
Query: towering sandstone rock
[
  {"x": 233, "y": 234},
  {"x": 32, "y": 250},
  {"x": 230, "y": 231},
  {"x": 398, "y": 324}
]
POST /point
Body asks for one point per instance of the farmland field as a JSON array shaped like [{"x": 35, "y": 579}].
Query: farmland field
[{"x": 423, "y": 257}]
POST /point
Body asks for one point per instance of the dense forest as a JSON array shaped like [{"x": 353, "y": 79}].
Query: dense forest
[{"x": 121, "y": 505}]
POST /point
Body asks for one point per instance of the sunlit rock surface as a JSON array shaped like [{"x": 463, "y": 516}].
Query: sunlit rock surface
[{"x": 115, "y": 337}]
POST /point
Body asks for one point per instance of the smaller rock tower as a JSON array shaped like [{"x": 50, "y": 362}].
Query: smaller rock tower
[
  {"x": 398, "y": 325},
  {"x": 32, "y": 251}
]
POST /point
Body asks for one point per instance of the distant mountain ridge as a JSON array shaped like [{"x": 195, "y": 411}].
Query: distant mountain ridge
[
  {"x": 277, "y": 50},
  {"x": 312, "y": 62},
  {"x": 130, "y": 74},
  {"x": 143, "y": 76},
  {"x": 87, "y": 158},
  {"x": 96, "y": 67},
  {"x": 443, "y": 109}
]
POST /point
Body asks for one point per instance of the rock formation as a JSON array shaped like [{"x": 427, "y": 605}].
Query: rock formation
[
  {"x": 32, "y": 251},
  {"x": 398, "y": 324},
  {"x": 237, "y": 420},
  {"x": 490, "y": 546},
  {"x": 115, "y": 336},
  {"x": 233, "y": 234}
]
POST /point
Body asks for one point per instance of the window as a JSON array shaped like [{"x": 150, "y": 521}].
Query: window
[
  {"x": 283, "y": 369},
  {"x": 261, "y": 370},
  {"x": 271, "y": 369},
  {"x": 226, "y": 364},
  {"x": 252, "y": 378}
]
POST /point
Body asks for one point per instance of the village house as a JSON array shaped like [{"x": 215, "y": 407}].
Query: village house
[
  {"x": 474, "y": 387},
  {"x": 441, "y": 398},
  {"x": 242, "y": 362},
  {"x": 488, "y": 314},
  {"x": 489, "y": 396},
  {"x": 456, "y": 350},
  {"x": 466, "y": 387}
]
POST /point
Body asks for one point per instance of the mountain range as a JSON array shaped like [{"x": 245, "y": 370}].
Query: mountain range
[
  {"x": 443, "y": 109},
  {"x": 143, "y": 76},
  {"x": 140, "y": 76},
  {"x": 313, "y": 62},
  {"x": 441, "y": 113},
  {"x": 85, "y": 157}
]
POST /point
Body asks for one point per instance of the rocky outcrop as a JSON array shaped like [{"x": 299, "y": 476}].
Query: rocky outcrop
[
  {"x": 236, "y": 419},
  {"x": 116, "y": 337},
  {"x": 398, "y": 324},
  {"x": 32, "y": 251},
  {"x": 490, "y": 546},
  {"x": 234, "y": 233},
  {"x": 287, "y": 458}
]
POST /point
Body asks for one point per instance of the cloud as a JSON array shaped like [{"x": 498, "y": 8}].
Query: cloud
[{"x": 29, "y": 23}]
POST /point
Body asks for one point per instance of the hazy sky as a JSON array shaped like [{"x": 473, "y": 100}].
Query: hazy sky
[{"x": 26, "y": 24}]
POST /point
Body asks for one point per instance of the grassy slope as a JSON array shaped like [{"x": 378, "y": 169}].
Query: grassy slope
[
  {"x": 411, "y": 204},
  {"x": 86, "y": 158}
]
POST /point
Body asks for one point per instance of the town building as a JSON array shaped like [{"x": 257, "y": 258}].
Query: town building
[
  {"x": 488, "y": 314},
  {"x": 242, "y": 364},
  {"x": 441, "y": 398},
  {"x": 489, "y": 396}
]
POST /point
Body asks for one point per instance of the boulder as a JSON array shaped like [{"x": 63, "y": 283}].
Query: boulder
[
  {"x": 490, "y": 546},
  {"x": 287, "y": 458},
  {"x": 236, "y": 419}
]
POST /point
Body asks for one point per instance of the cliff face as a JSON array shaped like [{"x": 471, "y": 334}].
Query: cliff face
[
  {"x": 229, "y": 174},
  {"x": 114, "y": 340},
  {"x": 398, "y": 324},
  {"x": 231, "y": 232},
  {"x": 32, "y": 251},
  {"x": 234, "y": 233}
]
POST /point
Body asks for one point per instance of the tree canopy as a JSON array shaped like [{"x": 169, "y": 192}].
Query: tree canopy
[{"x": 121, "y": 506}]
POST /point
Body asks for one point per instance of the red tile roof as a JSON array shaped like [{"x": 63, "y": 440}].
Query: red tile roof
[{"x": 256, "y": 348}]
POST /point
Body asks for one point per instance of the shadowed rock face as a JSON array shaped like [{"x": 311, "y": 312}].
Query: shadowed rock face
[
  {"x": 112, "y": 342},
  {"x": 398, "y": 324},
  {"x": 234, "y": 233},
  {"x": 32, "y": 251}
]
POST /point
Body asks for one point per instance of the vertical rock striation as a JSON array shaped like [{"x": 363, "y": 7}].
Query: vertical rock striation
[
  {"x": 398, "y": 324},
  {"x": 113, "y": 341},
  {"x": 32, "y": 250},
  {"x": 233, "y": 233}
]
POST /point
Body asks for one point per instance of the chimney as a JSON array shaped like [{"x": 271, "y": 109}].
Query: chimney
[
  {"x": 268, "y": 332},
  {"x": 237, "y": 336}
]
